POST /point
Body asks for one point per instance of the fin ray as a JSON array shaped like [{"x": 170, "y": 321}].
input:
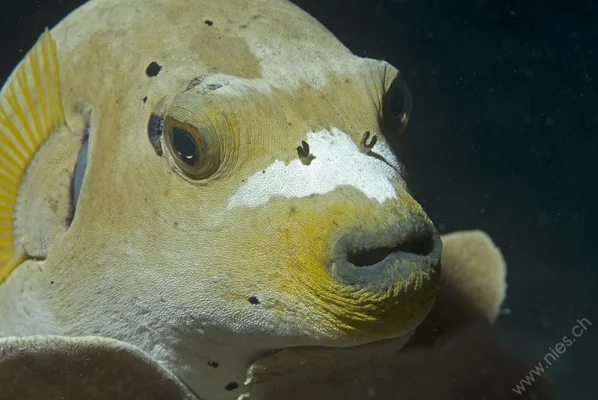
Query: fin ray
[
  {"x": 30, "y": 110},
  {"x": 14, "y": 132},
  {"x": 22, "y": 82},
  {"x": 16, "y": 107}
]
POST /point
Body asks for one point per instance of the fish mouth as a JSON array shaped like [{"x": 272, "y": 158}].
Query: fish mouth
[
  {"x": 379, "y": 260},
  {"x": 373, "y": 256}
]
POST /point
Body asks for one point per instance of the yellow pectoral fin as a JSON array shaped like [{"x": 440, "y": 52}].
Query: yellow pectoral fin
[{"x": 30, "y": 110}]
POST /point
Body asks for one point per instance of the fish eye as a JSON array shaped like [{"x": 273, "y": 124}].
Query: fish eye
[
  {"x": 194, "y": 151},
  {"x": 396, "y": 102},
  {"x": 396, "y": 107},
  {"x": 185, "y": 146}
]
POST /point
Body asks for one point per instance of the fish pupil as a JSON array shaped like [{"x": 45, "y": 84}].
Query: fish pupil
[
  {"x": 396, "y": 102},
  {"x": 185, "y": 145}
]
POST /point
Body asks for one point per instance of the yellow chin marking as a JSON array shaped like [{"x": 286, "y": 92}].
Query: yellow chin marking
[
  {"x": 343, "y": 311},
  {"x": 30, "y": 109}
]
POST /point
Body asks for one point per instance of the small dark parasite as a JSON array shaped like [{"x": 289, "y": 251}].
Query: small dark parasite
[
  {"x": 155, "y": 125},
  {"x": 303, "y": 152},
  {"x": 364, "y": 142}
]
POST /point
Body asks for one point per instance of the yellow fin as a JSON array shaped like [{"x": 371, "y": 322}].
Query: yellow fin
[{"x": 30, "y": 109}]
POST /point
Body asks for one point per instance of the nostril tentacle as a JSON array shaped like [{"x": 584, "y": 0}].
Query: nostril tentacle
[{"x": 365, "y": 145}]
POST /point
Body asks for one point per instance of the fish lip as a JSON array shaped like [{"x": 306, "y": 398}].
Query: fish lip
[{"x": 397, "y": 265}]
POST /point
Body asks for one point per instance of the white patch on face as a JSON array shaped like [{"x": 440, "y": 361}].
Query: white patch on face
[{"x": 338, "y": 162}]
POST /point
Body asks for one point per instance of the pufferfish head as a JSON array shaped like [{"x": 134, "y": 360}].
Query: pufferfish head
[
  {"x": 289, "y": 214},
  {"x": 250, "y": 203},
  {"x": 301, "y": 203}
]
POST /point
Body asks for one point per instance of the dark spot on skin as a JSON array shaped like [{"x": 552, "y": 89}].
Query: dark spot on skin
[
  {"x": 208, "y": 22},
  {"x": 293, "y": 210},
  {"x": 213, "y": 86},
  {"x": 263, "y": 171},
  {"x": 194, "y": 82},
  {"x": 253, "y": 300},
  {"x": 154, "y": 131},
  {"x": 231, "y": 386},
  {"x": 145, "y": 100},
  {"x": 53, "y": 203},
  {"x": 51, "y": 282},
  {"x": 176, "y": 224},
  {"x": 213, "y": 364},
  {"x": 153, "y": 69}
]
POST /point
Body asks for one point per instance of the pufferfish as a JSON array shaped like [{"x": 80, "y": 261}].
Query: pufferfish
[{"x": 207, "y": 182}]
